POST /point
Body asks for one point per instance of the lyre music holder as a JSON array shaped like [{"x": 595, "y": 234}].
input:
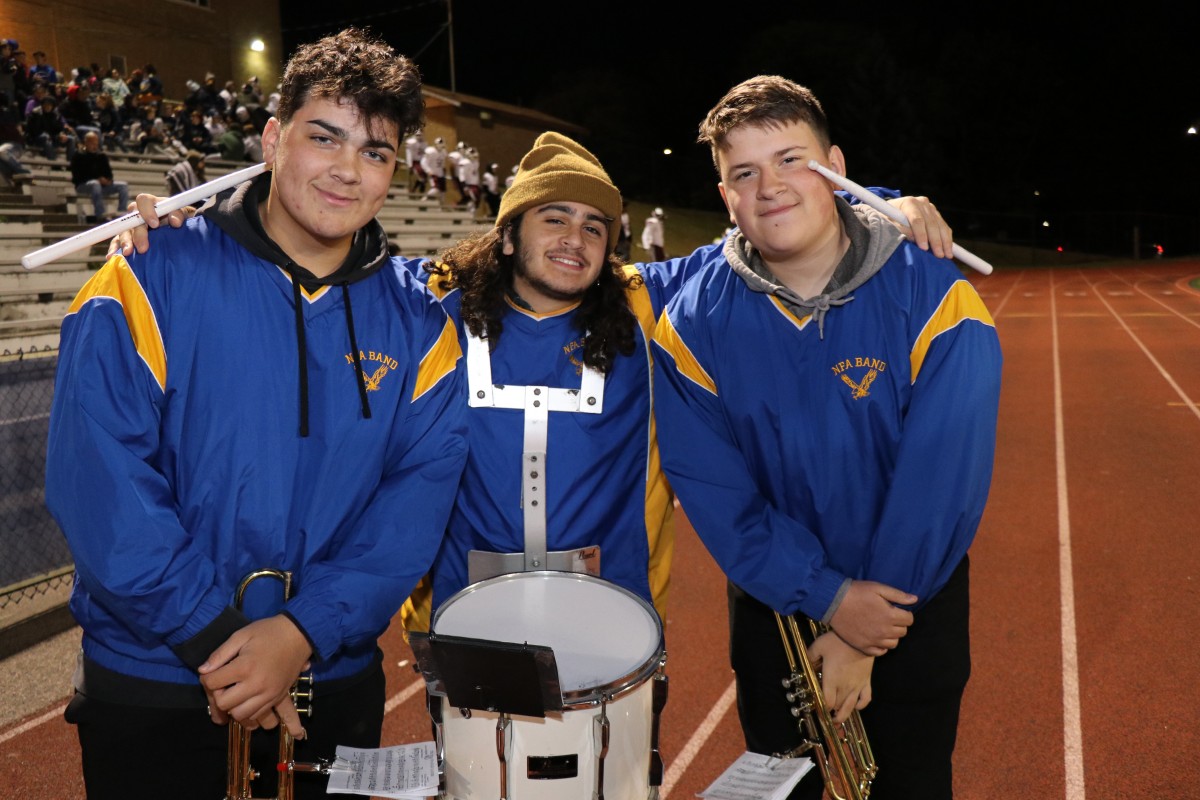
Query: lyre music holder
[{"x": 485, "y": 675}]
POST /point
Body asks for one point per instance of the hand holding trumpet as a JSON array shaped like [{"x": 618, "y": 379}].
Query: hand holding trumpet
[{"x": 250, "y": 676}]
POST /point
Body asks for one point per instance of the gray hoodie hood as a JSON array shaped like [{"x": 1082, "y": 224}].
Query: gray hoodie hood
[{"x": 873, "y": 239}]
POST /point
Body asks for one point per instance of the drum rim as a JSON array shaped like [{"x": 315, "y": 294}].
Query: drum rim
[{"x": 578, "y": 699}]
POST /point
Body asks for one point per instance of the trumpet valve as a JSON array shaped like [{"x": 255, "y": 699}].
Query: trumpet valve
[{"x": 303, "y": 699}]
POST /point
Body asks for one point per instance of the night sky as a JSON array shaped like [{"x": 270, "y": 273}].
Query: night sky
[{"x": 1088, "y": 111}]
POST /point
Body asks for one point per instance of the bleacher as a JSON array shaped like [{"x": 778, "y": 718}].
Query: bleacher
[{"x": 46, "y": 209}]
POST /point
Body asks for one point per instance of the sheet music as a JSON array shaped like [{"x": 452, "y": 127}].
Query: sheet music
[
  {"x": 758, "y": 777},
  {"x": 404, "y": 771}
]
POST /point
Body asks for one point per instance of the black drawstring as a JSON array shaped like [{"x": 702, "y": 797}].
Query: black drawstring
[
  {"x": 302, "y": 354},
  {"x": 362, "y": 385}
]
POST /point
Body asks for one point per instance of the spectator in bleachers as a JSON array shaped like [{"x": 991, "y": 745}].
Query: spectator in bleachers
[
  {"x": 172, "y": 115},
  {"x": 8, "y": 68},
  {"x": 108, "y": 119},
  {"x": 187, "y": 174},
  {"x": 211, "y": 102},
  {"x": 149, "y": 134},
  {"x": 229, "y": 96},
  {"x": 93, "y": 176},
  {"x": 151, "y": 87},
  {"x": 115, "y": 86},
  {"x": 35, "y": 100},
  {"x": 77, "y": 110},
  {"x": 194, "y": 134},
  {"x": 251, "y": 95},
  {"x": 22, "y": 79},
  {"x": 194, "y": 100},
  {"x": 12, "y": 141},
  {"x": 253, "y": 140},
  {"x": 134, "y": 84},
  {"x": 230, "y": 144},
  {"x": 43, "y": 69},
  {"x": 46, "y": 130}
]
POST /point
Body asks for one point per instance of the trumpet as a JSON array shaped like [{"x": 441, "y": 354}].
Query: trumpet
[
  {"x": 840, "y": 749},
  {"x": 239, "y": 772}
]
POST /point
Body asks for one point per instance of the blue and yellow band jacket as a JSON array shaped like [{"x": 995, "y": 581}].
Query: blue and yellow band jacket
[
  {"x": 849, "y": 439},
  {"x": 175, "y": 465}
]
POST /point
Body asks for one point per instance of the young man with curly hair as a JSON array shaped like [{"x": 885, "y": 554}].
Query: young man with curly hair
[{"x": 264, "y": 388}]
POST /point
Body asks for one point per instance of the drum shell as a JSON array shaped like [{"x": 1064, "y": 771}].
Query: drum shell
[{"x": 608, "y": 644}]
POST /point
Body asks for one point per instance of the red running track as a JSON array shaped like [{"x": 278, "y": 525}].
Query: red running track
[{"x": 1085, "y": 574}]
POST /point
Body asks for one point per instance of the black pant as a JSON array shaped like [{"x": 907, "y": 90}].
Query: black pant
[
  {"x": 139, "y": 751},
  {"x": 917, "y": 688}
]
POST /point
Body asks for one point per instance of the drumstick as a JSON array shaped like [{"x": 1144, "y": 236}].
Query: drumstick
[
  {"x": 131, "y": 220},
  {"x": 876, "y": 202}
]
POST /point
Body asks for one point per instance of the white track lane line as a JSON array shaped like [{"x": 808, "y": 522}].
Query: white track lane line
[
  {"x": 1188, "y": 401},
  {"x": 684, "y": 759},
  {"x": 396, "y": 700},
  {"x": 1072, "y": 730},
  {"x": 33, "y": 723}
]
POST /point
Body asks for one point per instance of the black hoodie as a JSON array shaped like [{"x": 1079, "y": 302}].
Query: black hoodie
[{"x": 236, "y": 212}]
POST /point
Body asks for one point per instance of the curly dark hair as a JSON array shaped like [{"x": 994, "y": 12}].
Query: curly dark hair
[
  {"x": 354, "y": 66},
  {"x": 478, "y": 267}
]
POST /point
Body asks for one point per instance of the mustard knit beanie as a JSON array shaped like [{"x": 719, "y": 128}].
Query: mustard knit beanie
[{"x": 559, "y": 168}]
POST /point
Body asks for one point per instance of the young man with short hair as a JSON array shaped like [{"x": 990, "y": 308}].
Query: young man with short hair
[
  {"x": 92, "y": 175},
  {"x": 264, "y": 388},
  {"x": 827, "y": 410}
]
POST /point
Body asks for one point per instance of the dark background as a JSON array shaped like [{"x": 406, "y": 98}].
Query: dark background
[{"x": 1006, "y": 120}]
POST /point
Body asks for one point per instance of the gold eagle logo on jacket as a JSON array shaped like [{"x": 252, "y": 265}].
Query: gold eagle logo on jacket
[
  {"x": 376, "y": 377},
  {"x": 859, "y": 390}
]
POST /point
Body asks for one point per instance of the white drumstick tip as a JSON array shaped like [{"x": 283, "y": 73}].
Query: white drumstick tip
[{"x": 879, "y": 204}]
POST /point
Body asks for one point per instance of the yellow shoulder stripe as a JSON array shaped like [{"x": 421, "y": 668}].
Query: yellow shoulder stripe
[
  {"x": 438, "y": 284},
  {"x": 116, "y": 281},
  {"x": 639, "y": 302},
  {"x": 439, "y": 361},
  {"x": 666, "y": 335},
  {"x": 960, "y": 303}
]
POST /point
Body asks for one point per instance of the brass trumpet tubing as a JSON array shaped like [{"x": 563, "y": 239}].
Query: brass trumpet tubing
[
  {"x": 239, "y": 772},
  {"x": 841, "y": 750}
]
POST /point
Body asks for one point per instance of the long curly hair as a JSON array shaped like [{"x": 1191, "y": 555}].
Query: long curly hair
[{"x": 482, "y": 273}]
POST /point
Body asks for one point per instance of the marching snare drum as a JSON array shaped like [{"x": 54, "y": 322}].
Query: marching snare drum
[{"x": 608, "y": 645}]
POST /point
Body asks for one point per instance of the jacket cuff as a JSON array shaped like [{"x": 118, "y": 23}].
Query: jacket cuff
[
  {"x": 316, "y": 652},
  {"x": 196, "y": 650}
]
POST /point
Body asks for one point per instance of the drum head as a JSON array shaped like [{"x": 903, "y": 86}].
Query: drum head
[{"x": 605, "y": 638}]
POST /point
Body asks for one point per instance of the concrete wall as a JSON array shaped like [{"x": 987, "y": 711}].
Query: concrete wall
[{"x": 182, "y": 39}]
